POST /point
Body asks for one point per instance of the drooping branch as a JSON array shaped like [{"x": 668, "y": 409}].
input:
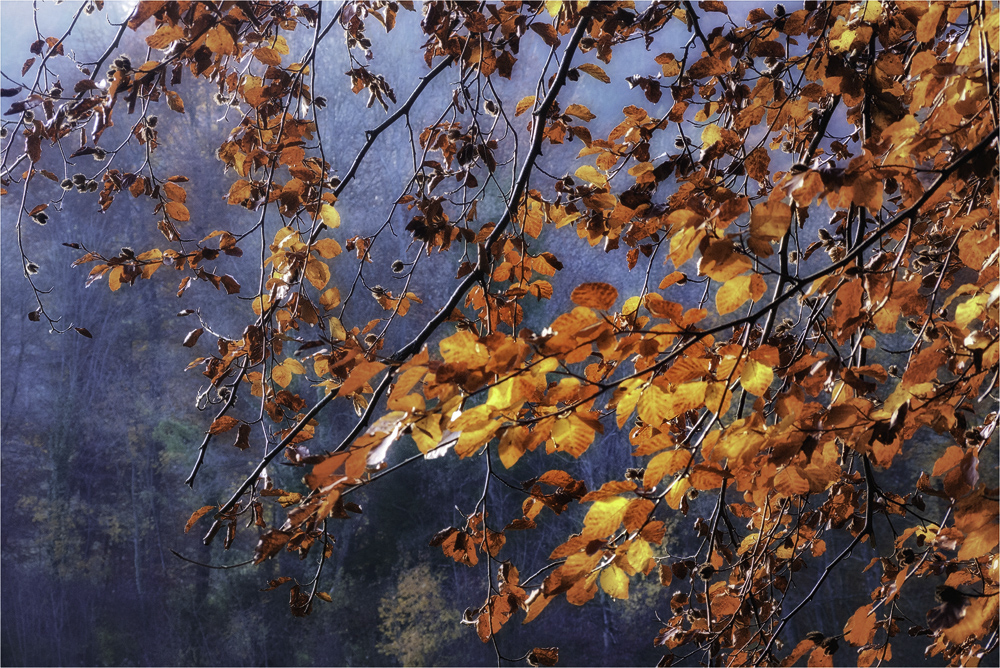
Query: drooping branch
[
  {"x": 534, "y": 150},
  {"x": 414, "y": 345}
]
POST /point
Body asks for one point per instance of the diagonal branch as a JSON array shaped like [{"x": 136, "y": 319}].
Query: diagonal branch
[{"x": 415, "y": 345}]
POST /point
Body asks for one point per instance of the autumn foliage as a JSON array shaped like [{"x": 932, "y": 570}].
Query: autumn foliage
[{"x": 810, "y": 194}]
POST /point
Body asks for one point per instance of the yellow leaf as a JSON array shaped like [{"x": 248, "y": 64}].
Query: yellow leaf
[
  {"x": 664, "y": 464},
  {"x": 756, "y": 377},
  {"x": 360, "y": 375},
  {"x": 594, "y": 71},
  {"x": 591, "y": 175},
  {"x": 677, "y": 492},
  {"x": 512, "y": 445},
  {"x": 843, "y": 42},
  {"x": 525, "y": 104},
  {"x": 684, "y": 244},
  {"x": 927, "y": 26},
  {"x": 318, "y": 273},
  {"x": 604, "y": 517},
  {"x": 654, "y": 404},
  {"x": 281, "y": 375},
  {"x": 639, "y": 554},
  {"x": 970, "y": 309},
  {"x": 686, "y": 397},
  {"x": 463, "y": 347},
  {"x": 280, "y": 45},
  {"x": 294, "y": 366},
  {"x": 769, "y": 221},
  {"x": 712, "y": 134},
  {"x": 261, "y": 304},
  {"x": 614, "y": 582},
  {"x": 330, "y": 216},
  {"x": 553, "y": 7},
  {"x": 572, "y": 435},
  {"x": 220, "y": 41},
  {"x": 115, "y": 278},
  {"x": 337, "y": 331},
  {"x": 871, "y": 11},
  {"x": 732, "y": 294},
  {"x": 267, "y": 56}
]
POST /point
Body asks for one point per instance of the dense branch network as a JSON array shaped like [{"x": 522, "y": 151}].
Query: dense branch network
[{"x": 880, "y": 118}]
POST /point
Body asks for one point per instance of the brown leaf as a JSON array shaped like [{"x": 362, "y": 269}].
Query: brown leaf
[
  {"x": 269, "y": 544},
  {"x": 33, "y": 146},
  {"x": 175, "y": 102},
  {"x": 143, "y": 11},
  {"x": 243, "y": 437},
  {"x": 84, "y": 332},
  {"x": 543, "y": 656},
  {"x": 230, "y": 284},
  {"x": 197, "y": 515},
  {"x": 178, "y": 211},
  {"x": 546, "y": 32},
  {"x": 223, "y": 423},
  {"x": 277, "y": 582},
  {"x": 594, "y": 71},
  {"x": 192, "y": 337}
]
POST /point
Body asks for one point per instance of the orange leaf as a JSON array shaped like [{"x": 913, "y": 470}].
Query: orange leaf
[
  {"x": 861, "y": 626},
  {"x": 769, "y": 221},
  {"x": 175, "y": 192},
  {"x": 600, "y": 296},
  {"x": 178, "y": 211},
  {"x": 197, "y": 515}
]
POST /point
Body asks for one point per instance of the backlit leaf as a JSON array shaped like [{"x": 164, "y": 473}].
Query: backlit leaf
[
  {"x": 600, "y": 296},
  {"x": 222, "y": 424},
  {"x": 756, "y": 377},
  {"x": 594, "y": 71},
  {"x": 197, "y": 515},
  {"x": 614, "y": 582}
]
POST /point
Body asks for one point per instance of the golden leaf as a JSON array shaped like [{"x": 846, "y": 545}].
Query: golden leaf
[
  {"x": 318, "y": 273},
  {"x": 524, "y": 104},
  {"x": 756, "y": 377},
  {"x": 594, "y": 71},
  {"x": 330, "y": 216},
  {"x": 614, "y": 581},
  {"x": 604, "y": 517},
  {"x": 330, "y": 299},
  {"x": 591, "y": 175}
]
